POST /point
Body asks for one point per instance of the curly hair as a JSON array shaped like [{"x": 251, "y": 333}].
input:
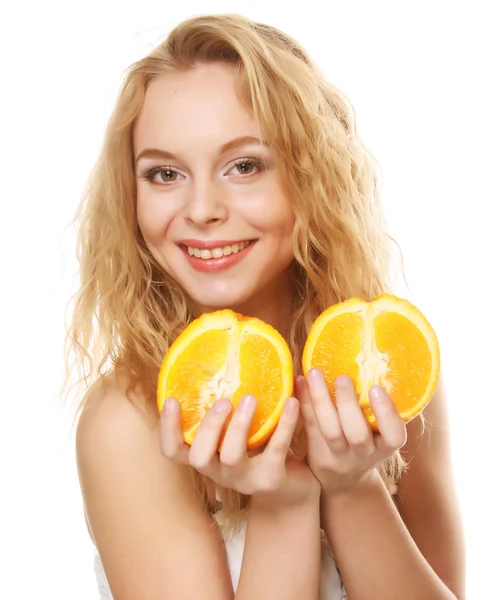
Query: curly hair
[{"x": 127, "y": 311}]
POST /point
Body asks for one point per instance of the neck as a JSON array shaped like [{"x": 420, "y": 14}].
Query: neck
[
  {"x": 276, "y": 310},
  {"x": 272, "y": 305}
]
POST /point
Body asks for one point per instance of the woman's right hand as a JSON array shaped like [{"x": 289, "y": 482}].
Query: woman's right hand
[{"x": 273, "y": 475}]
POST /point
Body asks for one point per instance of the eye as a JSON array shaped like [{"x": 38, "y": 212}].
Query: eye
[
  {"x": 170, "y": 178},
  {"x": 246, "y": 166}
]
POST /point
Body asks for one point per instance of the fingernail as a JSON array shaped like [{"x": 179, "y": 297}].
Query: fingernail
[
  {"x": 343, "y": 381},
  {"x": 315, "y": 376},
  {"x": 169, "y": 406},
  {"x": 377, "y": 395},
  {"x": 247, "y": 404},
  {"x": 222, "y": 405},
  {"x": 290, "y": 405}
]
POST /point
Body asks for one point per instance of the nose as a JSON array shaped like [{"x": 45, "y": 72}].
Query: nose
[{"x": 206, "y": 204}]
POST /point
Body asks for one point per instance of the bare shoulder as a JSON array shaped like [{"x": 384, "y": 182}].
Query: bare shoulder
[
  {"x": 106, "y": 404},
  {"x": 427, "y": 497},
  {"x": 153, "y": 534}
]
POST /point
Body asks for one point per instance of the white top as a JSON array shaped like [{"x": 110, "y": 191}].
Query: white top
[{"x": 331, "y": 587}]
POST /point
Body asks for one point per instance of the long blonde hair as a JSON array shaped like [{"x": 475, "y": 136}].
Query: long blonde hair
[{"x": 128, "y": 311}]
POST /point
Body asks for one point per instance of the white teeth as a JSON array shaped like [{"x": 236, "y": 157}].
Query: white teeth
[{"x": 217, "y": 252}]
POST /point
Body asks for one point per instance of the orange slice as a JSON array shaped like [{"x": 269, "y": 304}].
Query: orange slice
[
  {"x": 386, "y": 342},
  {"x": 226, "y": 355}
]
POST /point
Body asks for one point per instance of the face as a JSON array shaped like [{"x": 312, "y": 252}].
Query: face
[{"x": 209, "y": 202}]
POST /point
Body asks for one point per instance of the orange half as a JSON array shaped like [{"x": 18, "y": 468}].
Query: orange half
[
  {"x": 226, "y": 355},
  {"x": 386, "y": 342}
]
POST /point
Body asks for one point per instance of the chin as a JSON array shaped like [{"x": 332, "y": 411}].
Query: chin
[
  {"x": 211, "y": 300},
  {"x": 237, "y": 291}
]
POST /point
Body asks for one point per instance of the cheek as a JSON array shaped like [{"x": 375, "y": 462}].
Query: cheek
[
  {"x": 154, "y": 217},
  {"x": 274, "y": 214},
  {"x": 279, "y": 221}
]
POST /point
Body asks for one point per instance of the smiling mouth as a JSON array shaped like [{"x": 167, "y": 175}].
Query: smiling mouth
[{"x": 208, "y": 254}]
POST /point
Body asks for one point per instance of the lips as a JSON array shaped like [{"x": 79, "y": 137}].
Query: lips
[
  {"x": 218, "y": 252},
  {"x": 216, "y": 257}
]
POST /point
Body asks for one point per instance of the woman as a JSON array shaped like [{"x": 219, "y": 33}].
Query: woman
[{"x": 227, "y": 144}]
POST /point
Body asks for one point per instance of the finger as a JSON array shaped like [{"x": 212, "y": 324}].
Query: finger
[
  {"x": 234, "y": 447},
  {"x": 203, "y": 453},
  {"x": 316, "y": 440},
  {"x": 327, "y": 415},
  {"x": 171, "y": 439},
  {"x": 279, "y": 443},
  {"x": 392, "y": 429},
  {"x": 302, "y": 392},
  {"x": 353, "y": 422}
]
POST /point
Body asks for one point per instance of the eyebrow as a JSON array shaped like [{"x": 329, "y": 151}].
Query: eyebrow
[{"x": 227, "y": 147}]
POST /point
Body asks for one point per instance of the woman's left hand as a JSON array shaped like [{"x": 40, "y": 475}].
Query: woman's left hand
[{"x": 342, "y": 448}]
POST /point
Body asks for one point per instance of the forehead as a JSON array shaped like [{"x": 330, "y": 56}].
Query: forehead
[{"x": 196, "y": 105}]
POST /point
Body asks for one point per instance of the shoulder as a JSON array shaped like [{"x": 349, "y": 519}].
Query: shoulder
[
  {"x": 109, "y": 398},
  {"x": 142, "y": 508},
  {"x": 427, "y": 496},
  {"x": 428, "y": 445},
  {"x": 112, "y": 429},
  {"x": 118, "y": 431}
]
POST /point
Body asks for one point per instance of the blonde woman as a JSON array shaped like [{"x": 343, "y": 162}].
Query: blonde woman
[{"x": 232, "y": 175}]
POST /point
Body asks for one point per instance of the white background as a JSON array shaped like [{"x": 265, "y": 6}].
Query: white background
[{"x": 426, "y": 82}]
